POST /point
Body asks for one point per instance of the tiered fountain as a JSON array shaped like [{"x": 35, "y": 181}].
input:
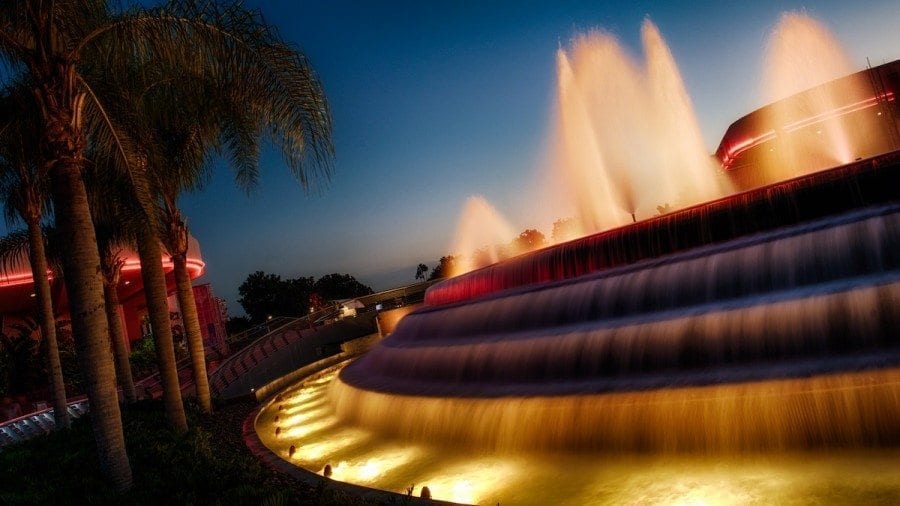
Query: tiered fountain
[{"x": 745, "y": 349}]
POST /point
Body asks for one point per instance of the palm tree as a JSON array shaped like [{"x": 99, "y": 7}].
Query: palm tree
[
  {"x": 111, "y": 262},
  {"x": 120, "y": 220},
  {"x": 180, "y": 114},
  {"x": 23, "y": 188},
  {"x": 55, "y": 43}
]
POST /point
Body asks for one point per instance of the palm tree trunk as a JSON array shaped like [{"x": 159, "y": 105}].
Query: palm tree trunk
[
  {"x": 192, "y": 329},
  {"x": 47, "y": 320},
  {"x": 120, "y": 347},
  {"x": 84, "y": 284},
  {"x": 155, "y": 293}
]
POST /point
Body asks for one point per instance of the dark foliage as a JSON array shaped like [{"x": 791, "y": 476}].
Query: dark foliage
[
  {"x": 264, "y": 295},
  {"x": 340, "y": 286},
  {"x": 143, "y": 357},
  {"x": 23, "y": 364},
  {"x": 421, "y": 271},
  {"x": 237, "y": 324},
  {"x": 444, "y": 268},
  {"x": 208, "y": 465}
]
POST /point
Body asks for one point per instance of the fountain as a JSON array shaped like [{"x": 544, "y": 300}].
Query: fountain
[
  {"x": 741, "y": 350},
  {"x": 480, "y": 236},
  {"x": 821, "y": 114},
  {"x": 628, "y": 140}
]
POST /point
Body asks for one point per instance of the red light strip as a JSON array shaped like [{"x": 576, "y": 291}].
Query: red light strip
[
  {"x": 742, "y": 146},
  {"x": 847, "y": 109},
  {"x": 195, "y": 268},
  {"x": 21, "y": 278}
]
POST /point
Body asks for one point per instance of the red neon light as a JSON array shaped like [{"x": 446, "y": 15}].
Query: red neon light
[
  {"x": 735, "y": 150},
  {"x": 744, "y": 145},
  {"x": 195, "y": 268},
  {"x": 21, "y": 278},
  {"x": 840, "y": 111}
]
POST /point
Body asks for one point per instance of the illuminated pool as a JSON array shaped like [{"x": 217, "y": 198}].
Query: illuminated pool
[{"x": 306, "y": 421}]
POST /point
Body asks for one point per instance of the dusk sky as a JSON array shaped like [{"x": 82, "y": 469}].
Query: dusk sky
[{"x": 433, "y": 102}]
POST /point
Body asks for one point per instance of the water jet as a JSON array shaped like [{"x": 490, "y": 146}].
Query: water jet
[{"x": 736, "y": 349}]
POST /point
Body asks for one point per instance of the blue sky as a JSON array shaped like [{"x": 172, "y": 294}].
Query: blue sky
[{"x": 436, "y": 101}]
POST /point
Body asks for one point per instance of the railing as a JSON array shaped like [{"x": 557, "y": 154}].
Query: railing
[
  {"x": 235, "y": 366},
  {"x": 240, "y": 339},
  {"x": 409, "y": 293},
  {"x": 38, "y": 423}
]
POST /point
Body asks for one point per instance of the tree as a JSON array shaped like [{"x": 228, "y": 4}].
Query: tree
[
  {"x": 179, "y": 114},
  {"x": 340, "y": 286},
  {"x": 56, "y": 45},
  {"x": 237, "y": 324},
  {"x": 264, "y": 295},
  {"x": 529, "y": 240},
  {"x": 23, "y": 188},
  {"x": 421, "y": 271},
  {"x": 444, "y": 268}
]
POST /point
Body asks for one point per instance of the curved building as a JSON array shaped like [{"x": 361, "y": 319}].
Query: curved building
[
  {"x": 851, "y": 118},
  {"x": 17, "y": 293}
]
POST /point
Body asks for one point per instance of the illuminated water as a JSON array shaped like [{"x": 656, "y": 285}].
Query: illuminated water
[
  {"x": 627, "y": 136},
  {"x": 481, "y": 235},
  {"x": 721, "y": 374},
  {"x": 801, "y": 55},
  {"x": 463, "y": 474},
  {"x": 626, "y": 142},
  {"x": 761, "y": 369}
]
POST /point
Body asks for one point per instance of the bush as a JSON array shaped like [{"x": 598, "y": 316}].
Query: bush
[
  {"x": 199, "y": 467},
  {"x": 143, "y": 357}
]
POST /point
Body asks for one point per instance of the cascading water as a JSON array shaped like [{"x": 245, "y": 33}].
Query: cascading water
[
  {"x": 744, "y": 350},
  {"x": 817, "y": 299}
]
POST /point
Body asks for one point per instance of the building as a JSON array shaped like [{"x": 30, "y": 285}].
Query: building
[
  {"x": 851, "y": 118},
  {"x": 17, "y": 296}
]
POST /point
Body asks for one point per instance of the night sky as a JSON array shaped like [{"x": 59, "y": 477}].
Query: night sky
[{"x": 436, "y": 101}]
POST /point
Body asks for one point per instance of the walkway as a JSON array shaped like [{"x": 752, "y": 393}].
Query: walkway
[
  {"x": 284, "y": 345},
  {"x": 283, "y": 350}
]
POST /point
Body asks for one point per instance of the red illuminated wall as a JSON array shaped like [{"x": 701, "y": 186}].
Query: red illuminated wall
[{"x": 16, "y": 289}]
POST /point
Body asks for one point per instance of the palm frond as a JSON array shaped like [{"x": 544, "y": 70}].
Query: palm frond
[
  {"x": 14, "y": 251},
  {"x": 266, "y": 78}
]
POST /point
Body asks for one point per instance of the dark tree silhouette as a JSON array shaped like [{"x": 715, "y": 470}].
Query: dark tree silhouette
[
  {"x": 530, "y": 239},
  {"x": 444, "y": 268},
  {"x": 421, "y": 271},
  {"x": 264, "y": 295},
  {"x": 340, "y": 286}
]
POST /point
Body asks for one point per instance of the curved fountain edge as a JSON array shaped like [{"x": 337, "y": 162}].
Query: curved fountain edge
[{"x": 271, "y": 460}]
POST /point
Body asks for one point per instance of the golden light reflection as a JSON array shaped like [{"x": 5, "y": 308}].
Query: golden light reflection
[
  {"x": 305, "y": 416},
  {"x": 478, "y": 480},
  {"x": 299, "y": 431},
  {"x": 314, "y": 453},
  {"x": 304, "y": 406},
  {"x": 374, "y": 466},
  {"x": 468, "y": 475}
]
